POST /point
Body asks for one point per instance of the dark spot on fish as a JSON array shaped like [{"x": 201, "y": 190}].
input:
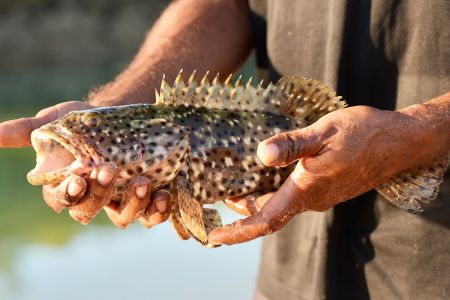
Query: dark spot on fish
[{"x": 159, "y": 170}]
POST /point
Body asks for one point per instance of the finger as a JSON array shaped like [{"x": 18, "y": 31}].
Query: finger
[
  {"x": 134, "y": 202},
  {"x": 159, "y": 209},
  {"x": 98, "y": 194},
  {"x": 248, "y": 205},
  {"x": 16, "y": 133},
  {"x": 287, "y": 147},
  {"x": 277, "y": 211},
  {"x": 65, "y": 194}
]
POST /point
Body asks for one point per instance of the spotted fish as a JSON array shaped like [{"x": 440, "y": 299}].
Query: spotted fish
[{"x": 199, "y": 142}]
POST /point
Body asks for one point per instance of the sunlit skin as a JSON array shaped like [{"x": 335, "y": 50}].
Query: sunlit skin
[{"x": 344, "y": 154}]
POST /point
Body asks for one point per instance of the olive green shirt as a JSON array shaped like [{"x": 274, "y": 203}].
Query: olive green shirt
[{"x": 387, "y": 54}]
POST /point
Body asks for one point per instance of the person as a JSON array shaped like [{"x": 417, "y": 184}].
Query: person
[{"x": 391, "y": 62}]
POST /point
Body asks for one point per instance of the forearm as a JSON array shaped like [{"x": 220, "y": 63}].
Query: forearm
[
  {"x": 204, "y": 35},
  {"x": 429, "y": 129}
]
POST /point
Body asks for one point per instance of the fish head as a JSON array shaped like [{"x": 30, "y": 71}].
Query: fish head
[
  {"x": 130, "y": 137},
  {"x": 67, "y": 144}
]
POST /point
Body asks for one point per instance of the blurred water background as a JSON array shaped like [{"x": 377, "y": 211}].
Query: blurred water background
[{"x": 54, "y": 50}]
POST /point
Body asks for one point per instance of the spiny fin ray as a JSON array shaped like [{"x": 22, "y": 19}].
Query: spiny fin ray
[
  {"x": 300, "y": 97},
  {"x": 409, "y": 190}
]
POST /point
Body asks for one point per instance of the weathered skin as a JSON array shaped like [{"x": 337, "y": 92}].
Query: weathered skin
[{"x": 198, "y": 141}]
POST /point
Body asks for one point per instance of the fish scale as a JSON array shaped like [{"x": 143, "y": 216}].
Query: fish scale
[{"x": 199, "y": 141}]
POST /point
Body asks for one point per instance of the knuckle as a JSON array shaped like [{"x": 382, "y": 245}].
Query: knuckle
[
  {"x": 144, "y": 222},
  {"x": 270, "y": 226},
  {"x": 120, "y": 223},
  {"x": 81, "y": 216}
]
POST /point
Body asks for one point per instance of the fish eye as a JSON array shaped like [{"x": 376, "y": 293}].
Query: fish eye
[{"x": 91, "y": 120}]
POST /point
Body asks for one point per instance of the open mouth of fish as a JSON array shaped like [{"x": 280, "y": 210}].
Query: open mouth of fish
[{"x": 56, "y": 157}]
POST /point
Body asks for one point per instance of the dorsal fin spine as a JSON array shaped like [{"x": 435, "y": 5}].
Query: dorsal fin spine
[{"x": 299, "y": 97}]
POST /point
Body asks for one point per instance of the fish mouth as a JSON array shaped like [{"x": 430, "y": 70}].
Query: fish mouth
[{"x": 55, "y": 156}]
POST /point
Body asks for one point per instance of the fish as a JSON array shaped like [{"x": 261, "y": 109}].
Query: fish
[{"x": 199, "y": 141}]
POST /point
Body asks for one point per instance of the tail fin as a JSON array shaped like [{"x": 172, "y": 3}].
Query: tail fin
[{"x": 410, "y": 189}]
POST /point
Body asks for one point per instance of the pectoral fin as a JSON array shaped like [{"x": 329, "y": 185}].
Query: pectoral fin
[
  {"x": 190, "y": 210},
  {"x": 198, "y": 221},
  {"x": 410, "y": 189},
  {"x": 175, "y": 219}
]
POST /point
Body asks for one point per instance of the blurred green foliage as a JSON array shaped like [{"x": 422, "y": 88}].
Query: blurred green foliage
[{"x": 52, "y": 51}]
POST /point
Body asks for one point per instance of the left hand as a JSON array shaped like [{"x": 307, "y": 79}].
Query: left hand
[
  {"x": 86, "y": 197},
  {"x": 341, "y": 156}
]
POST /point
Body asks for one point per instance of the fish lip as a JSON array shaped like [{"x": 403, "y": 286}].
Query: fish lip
[{"x": 39, "y": 136}]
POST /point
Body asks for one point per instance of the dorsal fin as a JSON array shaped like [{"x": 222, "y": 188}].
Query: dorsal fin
[
  {"x": 300, "y": 97},
  {"x": 307, "y": 99}
]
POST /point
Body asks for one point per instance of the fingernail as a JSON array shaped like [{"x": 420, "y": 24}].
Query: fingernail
[
  {"x": 161, "y": 206},
  {"x": 74, "y": 188},
  {"x": 268, "y": 153},
  {"x": 214, "y": 242},
  {"x": 141, "y": 191},
  {"x": 104, "y": 177}
]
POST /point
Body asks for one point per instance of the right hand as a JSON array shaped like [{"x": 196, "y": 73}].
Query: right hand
[{"x": 85, "y": 198}]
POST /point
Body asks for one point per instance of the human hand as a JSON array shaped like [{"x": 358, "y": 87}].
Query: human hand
[
  {"x": 85, "y": 199},
  {"x": 341, "y": 156}
]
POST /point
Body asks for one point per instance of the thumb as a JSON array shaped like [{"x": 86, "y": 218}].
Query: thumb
[
  {"x": 287, "y": 147},
  {"x": 16, "y": 133}
]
